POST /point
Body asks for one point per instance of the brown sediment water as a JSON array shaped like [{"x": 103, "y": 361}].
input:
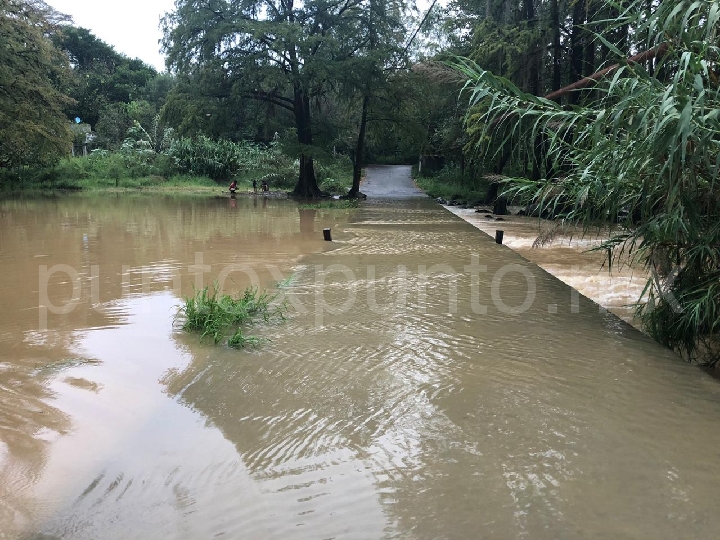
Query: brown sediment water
[
  {"x": 568, "y": 255},
  {"x": 427, "y": 384}
]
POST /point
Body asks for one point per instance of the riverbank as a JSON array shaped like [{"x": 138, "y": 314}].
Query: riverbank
[{"x": 122, "y": 172}]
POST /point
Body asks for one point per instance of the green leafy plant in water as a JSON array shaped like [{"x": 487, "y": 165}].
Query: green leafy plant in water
[
  {"x": 239, "y": 340},
  {"x": 216, "y": 315}
]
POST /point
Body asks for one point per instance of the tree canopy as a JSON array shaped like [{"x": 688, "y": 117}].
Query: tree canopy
[
  {"x": 110, "y": 90},
  {"x": 288, "y": 55},
  {"x": 644, "y": 152},
  {"x": 33, "y": 126}
]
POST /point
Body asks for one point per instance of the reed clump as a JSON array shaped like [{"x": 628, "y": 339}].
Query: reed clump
[{"x": 217, "y": 316}]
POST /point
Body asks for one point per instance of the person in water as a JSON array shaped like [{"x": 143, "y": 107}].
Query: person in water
[
  {"x": 264, "y": 185},
  {"x": 233, "y": 186},
  {"x": 254, "y": 185}
]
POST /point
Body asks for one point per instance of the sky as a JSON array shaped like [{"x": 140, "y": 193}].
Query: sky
[{"x": 130, "y": 26}]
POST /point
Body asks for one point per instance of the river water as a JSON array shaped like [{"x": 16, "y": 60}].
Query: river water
[
  {"x": 567, "y": 253},
  {"x": 427, "y": 384}
]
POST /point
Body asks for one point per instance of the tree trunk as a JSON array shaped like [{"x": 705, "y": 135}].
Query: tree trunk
[
  {"x": 576, "y": 46},
  {"x": 358, "y": 161},
  {"x": 307, "y": 183},
  {"x": 590, "y": 47},
  {"x": 556, "y": 46},
  {"x": 534, "y": 58},
  {"x": 538, "y": 154}
]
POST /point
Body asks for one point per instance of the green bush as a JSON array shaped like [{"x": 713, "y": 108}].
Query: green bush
[
  {"x": 75, "y": 169},
  {"x": 336, "y": 186},
  {"x": 137, "y": 164},
  {"x": 451, "y": 183},
  {"x": 220, "y": 160}
]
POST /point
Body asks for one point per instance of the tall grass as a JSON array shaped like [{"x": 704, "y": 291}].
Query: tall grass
[{"x": 219, "y": 316}]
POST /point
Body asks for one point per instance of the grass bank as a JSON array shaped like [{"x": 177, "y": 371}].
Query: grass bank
[
  {"x": 123, "y": 171},
  {"x": 452, "y": 184}
]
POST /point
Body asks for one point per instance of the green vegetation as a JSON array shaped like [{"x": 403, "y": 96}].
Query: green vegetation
[
  {"x": 451, "y": 184},
  {"x": 220, "y": 316},
  {"x": 33, "y": 127},
  {"x": 643, "y": 154},
  {"x": 293, "y": 59},
  {"x": 185, "y": 164},
  {"x": 110, "y": 91}
]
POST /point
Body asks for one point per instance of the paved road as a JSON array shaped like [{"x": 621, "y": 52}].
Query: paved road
[{"x": 389, "y": 182}]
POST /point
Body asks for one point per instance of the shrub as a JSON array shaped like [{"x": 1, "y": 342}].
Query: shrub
[
  {"x": 216, "y": 315},
  {"x": 220, "y": 160},
  {"x": 453, "y": 184}
]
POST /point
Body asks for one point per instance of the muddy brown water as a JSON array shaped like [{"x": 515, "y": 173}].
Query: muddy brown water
[
  {"x": 568, "y": 255},
  {"x": 389, "y": 405}
]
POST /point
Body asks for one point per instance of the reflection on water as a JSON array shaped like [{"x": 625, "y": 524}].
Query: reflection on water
[{"x": 390, "y": 405}]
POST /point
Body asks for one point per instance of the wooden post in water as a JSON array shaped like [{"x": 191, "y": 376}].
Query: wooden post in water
[
  {"x": 326, "y": 235},
  {"x": 498, "y": 237}
]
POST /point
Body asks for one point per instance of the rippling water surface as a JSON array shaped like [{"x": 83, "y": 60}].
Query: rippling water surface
[
  {"x": 567, "y": 254},
  {"x": 427, "y": 384}
]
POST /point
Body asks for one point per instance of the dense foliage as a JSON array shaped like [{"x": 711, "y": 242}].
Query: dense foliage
[
  {"x": 286, "y": 55},
  {"x": 32, "y": 121},
  {"x": 644, "y": 153},
  {"x": 100, "y": 75}
]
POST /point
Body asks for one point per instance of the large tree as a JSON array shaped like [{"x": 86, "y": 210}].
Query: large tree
[
  {"x": 102, "y": 77},
  {"x": 33, "y": 127},
  {"x": 365, "y": 76},
  {"x": 282, "y": 52}
]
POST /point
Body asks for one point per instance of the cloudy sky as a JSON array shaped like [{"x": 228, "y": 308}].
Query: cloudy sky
[{"x": 131, "y": 26}]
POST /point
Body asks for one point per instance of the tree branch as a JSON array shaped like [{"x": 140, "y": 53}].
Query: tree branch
[
  {"x": 655, "y": 52},
  {"x": 280, "y": 101}
]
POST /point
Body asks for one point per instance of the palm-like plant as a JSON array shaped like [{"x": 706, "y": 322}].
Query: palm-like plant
[{"x": 645, "y": 154}]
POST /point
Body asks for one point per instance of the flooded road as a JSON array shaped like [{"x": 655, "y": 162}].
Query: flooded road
[
  {"x": 427, "y": 384},
  {"x": 566, "y": 255}
]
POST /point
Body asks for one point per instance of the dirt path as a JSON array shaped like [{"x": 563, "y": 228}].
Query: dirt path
[{"x": 389, "y": 182}]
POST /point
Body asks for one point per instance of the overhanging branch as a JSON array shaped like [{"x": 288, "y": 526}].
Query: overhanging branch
[
  {"x": 269, "y": 97},
  {"x": 655, "y": 52}
]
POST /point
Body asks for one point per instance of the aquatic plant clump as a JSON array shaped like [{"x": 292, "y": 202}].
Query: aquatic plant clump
[{"x": 216, "y": 315}]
